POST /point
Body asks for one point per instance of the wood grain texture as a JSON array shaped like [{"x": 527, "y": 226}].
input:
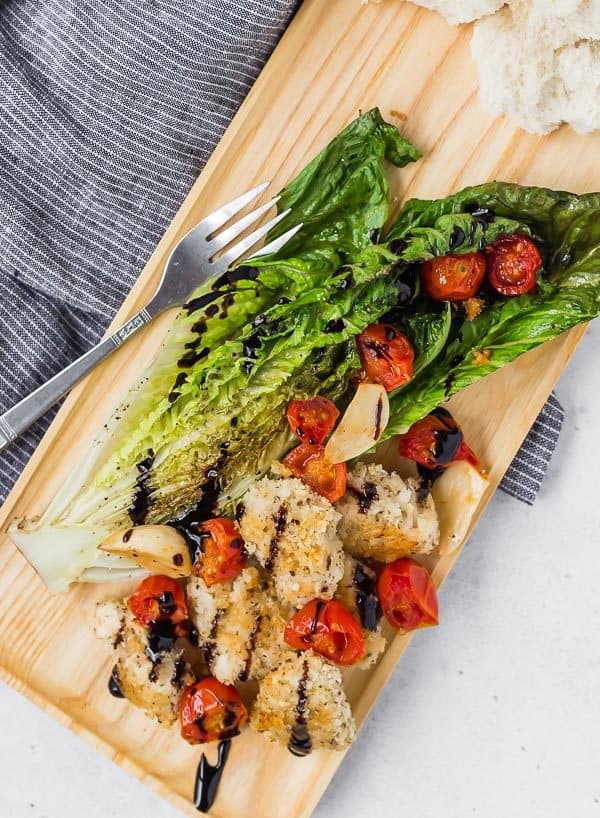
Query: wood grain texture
[{"x": 336, "y": 58}]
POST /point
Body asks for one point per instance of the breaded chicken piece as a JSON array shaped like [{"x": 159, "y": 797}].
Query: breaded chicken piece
[
  {"x": 240, "y": 625},
  {"x": 293, "y": 533},
  {"x": 154, "y": 686},
  {"x": 357, "y": 592},
  {"x": 302, "y": 703},
  {"x": 382, "y": 516}
]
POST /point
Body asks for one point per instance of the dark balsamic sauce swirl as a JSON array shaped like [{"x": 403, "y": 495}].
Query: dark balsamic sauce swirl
[
  {"x": 300, "y": 744},
  {"x": 114, "y": 684},
  {"x": 447, "y": 441},
  {"x": 280, "y": 521},
  {"x": 366, "y": 599},
  {"x": 365, "y": 497},
  {"x": 208, "y": 777},
  {"x": 141, "y": 501}
]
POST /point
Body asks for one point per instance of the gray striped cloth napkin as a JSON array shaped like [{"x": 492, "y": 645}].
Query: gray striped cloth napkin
[{"x": 109, "y": 109}]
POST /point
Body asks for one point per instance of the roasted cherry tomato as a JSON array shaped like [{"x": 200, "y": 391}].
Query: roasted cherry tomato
[
  {"x": 310, "y": 465},
  {"x": 434, "y": 441},
  {"x": 312, "y": 419},
  {"x": 407, "y": 595},
  {"x": 387, "y": 355},
  {"x": 328, "y": 628},
  {"x": 211, "y": 711},
  {"x": 223, "y": 554},
  {"x": 159, "y": 599},
  {"x": 512, "y": 264},
  {"x": 454, "y": 277}
]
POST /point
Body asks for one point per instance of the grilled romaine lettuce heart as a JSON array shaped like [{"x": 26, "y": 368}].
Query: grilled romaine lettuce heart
[{"x": 209, "y": 414}]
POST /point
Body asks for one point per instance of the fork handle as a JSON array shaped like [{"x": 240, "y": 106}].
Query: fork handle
[{"x": 20, "y": 417}]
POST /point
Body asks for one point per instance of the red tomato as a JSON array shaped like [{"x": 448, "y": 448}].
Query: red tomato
[
  {"x": 465, "y": 452},
  {"x": 308, "y": 463},
  {"x": 159, "y": 599},
  {"x": 312, "y": 419},
  {"x": 223, "y": 553},
  {"x": 407, "y": 595},
  {"x": 454, "y": 277},
  {"x": 434, "y": 441},
  {"x": 512, "y": 263},
  {"x": 211, "y": 711},
  {"x": 387, "y": 355},
  {"x": 328, "y": 628}
]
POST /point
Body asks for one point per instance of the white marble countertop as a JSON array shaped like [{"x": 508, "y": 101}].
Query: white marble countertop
[{"x": 493, "y": 714}]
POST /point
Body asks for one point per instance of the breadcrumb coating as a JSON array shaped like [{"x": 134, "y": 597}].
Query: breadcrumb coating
[
  {"x": 293, "y": 533},
  {"x": 307, "y": 689},
  {"x": 240, "y": 625},
  {"x": 383, "y": 518},
  {"x": 155, "y": 687}
]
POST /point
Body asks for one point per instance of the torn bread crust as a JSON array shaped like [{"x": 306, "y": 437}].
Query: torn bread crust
[{"x": 153, "y": 686}]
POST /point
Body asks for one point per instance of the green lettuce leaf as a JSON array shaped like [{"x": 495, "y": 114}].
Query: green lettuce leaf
[
  {"x": 566, "y": 228},
  {"x": 209, "y": 414}
]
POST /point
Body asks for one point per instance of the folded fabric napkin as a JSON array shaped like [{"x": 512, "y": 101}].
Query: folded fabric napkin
[{"x": 109, "y": 112}]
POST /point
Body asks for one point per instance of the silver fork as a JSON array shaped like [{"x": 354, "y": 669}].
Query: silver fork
[{"x": 191, "y": 262}]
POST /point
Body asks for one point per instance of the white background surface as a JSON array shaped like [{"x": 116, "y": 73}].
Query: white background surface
[{"x": 493, "y": 714}]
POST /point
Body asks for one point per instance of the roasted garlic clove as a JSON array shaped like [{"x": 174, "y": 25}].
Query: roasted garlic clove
[
  {"x": 159, "y": 548},
  {"x": 362, "y": 425}
]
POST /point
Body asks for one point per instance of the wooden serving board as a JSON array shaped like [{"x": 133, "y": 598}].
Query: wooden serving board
[{"x": 337, "y": 57}]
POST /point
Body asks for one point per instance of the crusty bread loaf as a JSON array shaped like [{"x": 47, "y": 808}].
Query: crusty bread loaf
[
  {"x": 461, "y": 11},
  {"x": 539, "y": 62}
]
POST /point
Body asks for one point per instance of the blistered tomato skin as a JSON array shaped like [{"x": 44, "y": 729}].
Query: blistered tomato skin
[
  {"x": 309, "y": 464},
  {"x": 328, "y": 628},
  {"x": 211, "y": 711},
  {"x": 435, "y": 441},
  {"x": 223, "y": 554},
  {"x": 312, "y": 419},
  {"x": 386, "y": 355},
  {"x": 513, "y": 262},
  {"x": 159, "y": 599},
  {"x": 455, "y": 277},
  {"x": 407, "y": 595}
]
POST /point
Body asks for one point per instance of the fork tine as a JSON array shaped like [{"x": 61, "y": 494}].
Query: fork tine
[
  {"x": 227, "y": 211},
  {"x": 237, "y": 228},
  {"x": 238, "y": 250},
  {"x": 279, "y": 242}
]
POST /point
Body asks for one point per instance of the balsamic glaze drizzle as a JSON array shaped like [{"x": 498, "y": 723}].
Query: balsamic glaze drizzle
[
  {"x": 251, "y": 645},
  {"x": 208, "y": 777},
  {"x": 190, "y": 522},
  {"x": 447, "y": 441},
  {"x": 141, "y": 502},
  {"x": 161, "y": 639},
  {"x": 378, "y": 419},
  {"x": 365, "y": 497},
  {"x": 366, "y": 599},
  {"x": 335, "y": 325},
  {"x": 457, "y": 237},
  {"x": 280, "y": 520},
  {"x": 114, "y": 684},
  {"x": 300, "y": 744}
]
